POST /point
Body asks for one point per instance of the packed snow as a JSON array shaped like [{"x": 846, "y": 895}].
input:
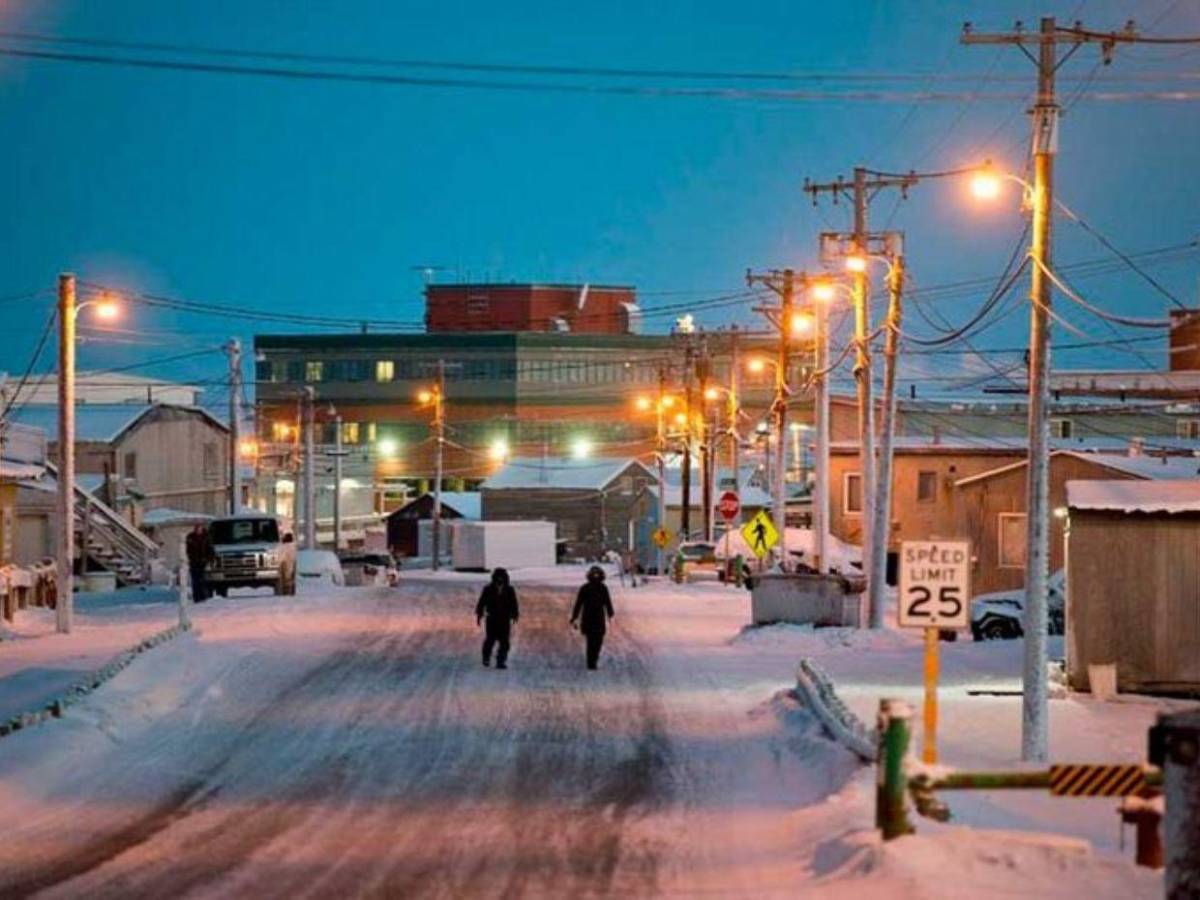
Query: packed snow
[{"x": 347, "y": 741}]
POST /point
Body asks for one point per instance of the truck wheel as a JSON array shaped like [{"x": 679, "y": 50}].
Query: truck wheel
[
  {"x": 222, "y": 592},
  {"x": 995, "y": 628}
]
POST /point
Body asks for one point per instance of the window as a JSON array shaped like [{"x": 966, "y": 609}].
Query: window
[
  {"x": 1188, "y": 429},
  {"x": 1062, "y": 429},
  {"x": 281, "y": 431},
  {"x": 1012, "y": 540},
  {"x": 477, "y": 304},
  {"x": 385, "y": 370},
  {"x": 210, "y": 461},
  {"x": 852, "y": 494},
  {"x": 131, "y": 465},
  {"x": 926, "y": 487},
  {"x": 350, "y": 432},
  {"x": 372, "y": 432},
  {"x": 314, "y": 370}
]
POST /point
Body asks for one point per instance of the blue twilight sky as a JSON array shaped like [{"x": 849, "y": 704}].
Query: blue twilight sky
[{"x": 321, "y": 198}]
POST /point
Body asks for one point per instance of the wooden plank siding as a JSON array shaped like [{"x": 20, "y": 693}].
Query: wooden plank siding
[
  {"x": 981, "y": 504},
  {"x": 1134, "y": 599}
]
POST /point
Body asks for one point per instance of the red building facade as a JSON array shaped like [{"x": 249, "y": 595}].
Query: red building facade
[{"x": 563, "y": 308}]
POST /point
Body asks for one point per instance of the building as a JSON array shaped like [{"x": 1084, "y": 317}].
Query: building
[
  {"x": 575, "y": 308},
  {"x": 990, "y": 507},
  {"x": 25, "y": 528},
  {"x": 522, "y": 393},
  {"x": 1133, "y": 574},
  {"x": 596, "y": 505},
  {"x": 409, "y": 528},
  {"x": 144, "y": 456}
]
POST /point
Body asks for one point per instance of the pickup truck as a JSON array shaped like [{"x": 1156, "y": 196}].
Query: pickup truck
[{"x": 251, "y": 550}]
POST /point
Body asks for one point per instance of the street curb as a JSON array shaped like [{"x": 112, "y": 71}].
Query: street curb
[
  {"x": 57, "y": 707},
  {"x": 816, "y": 689}
]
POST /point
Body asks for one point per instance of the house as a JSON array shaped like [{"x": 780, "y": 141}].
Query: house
[
  {"x": 989, "y": 507},
  {"x": 145, "y": 456},
  {"x": 597, "y": 505},
  {"x": 24, "y": 532},
  {"x": 404, "y": 525},
  {"x": 1133, "y": 576}
]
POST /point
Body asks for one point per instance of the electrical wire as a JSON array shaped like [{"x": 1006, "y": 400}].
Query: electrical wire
[{"x": 12, "y": 400}]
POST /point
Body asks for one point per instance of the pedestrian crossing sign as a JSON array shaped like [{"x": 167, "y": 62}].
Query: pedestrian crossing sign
[
  {"x": 662, "y": 537},
  {"x": 760, "y": 534}
]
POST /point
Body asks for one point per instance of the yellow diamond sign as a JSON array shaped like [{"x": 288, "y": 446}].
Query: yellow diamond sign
[
  {"x": 662, "y": 537},
  {"x": 760, "y": 534}
]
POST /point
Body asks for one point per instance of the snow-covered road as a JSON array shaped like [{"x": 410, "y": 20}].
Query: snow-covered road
[{"x": 356, "y": 746}]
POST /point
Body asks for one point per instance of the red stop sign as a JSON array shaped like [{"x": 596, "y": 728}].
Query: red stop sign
[{"x": 729, "y": 506}]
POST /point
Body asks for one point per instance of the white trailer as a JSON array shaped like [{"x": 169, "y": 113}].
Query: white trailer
[{"x": 481, "y": 546}]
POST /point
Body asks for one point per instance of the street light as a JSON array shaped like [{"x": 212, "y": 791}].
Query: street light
[
  {"x": 387, "y": 448},
  {"x": 856, "y": 263},
  {"x": 499, "y": 450},
  {"x": 644, "y": 403},
  {"x": 801, "y": 324},
  {"x": 581, "y": 448}
]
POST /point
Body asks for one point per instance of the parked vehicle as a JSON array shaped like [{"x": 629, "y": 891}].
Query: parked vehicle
[
  {"x": 1000, "y": 616},
  {"x": 370, "y": 569},
  {"x": 251, "y": 550},
  {"x": 698, "y": 552},
  {"x": 320, "y": 566}
]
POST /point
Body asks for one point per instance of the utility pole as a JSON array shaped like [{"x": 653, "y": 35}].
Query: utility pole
[
  {"x": 1035, "y": 708},
  {"x": 735, "y": 440},
  {"x": 856, "y": 249},
  {"x": 234, "y": 351},
  {"x": 821, "y": 425},
  {"x": 65, "y": 604},
  {"x": 883, "y": 497},
  {"x": 685, "y": 520},
  {"x": 782, "y": 282},
  {"x": 439, "y": 432},
  {"x": 661, "y": 454},
  {"x": 706, "y": 440},
  {"x": 338, "y": 455},
  {"x": 308, "y": 423}
]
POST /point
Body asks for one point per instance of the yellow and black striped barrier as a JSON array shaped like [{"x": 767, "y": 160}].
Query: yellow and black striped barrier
[{"x": 1097, "y": 780}]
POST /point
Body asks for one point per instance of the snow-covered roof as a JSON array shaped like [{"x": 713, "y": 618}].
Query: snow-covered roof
[
  {"x": 1156, "y": 468},
  {"x": 1135, "y": 496},
  {"x": 100, "y": 422},
  {"x": 749, "y": 495},
  {"x": 468, "y": 504},
  {"x": 167, "y": 516},
  {"x": 559, "y": 473},
  {"x": 20, "y": 471}
]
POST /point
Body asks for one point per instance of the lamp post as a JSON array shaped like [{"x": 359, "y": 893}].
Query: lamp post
[
  {"x": 106, "y": 308},
  {"x": 436, "y": 399}
]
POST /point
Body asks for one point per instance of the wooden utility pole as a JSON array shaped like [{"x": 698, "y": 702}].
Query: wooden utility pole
[
  {"x": 881, "y": 525},
  {"x": 685, "y": 513},
  {"x": 661, "y": 456},
  {"x": 857, "y": 249},
  {"x": 706, "y": 440},
  {"x": 234, "y": 350},
  {"x": 308, "y": 415},
  {"x": 820, "y": 522},
  {"x": 439, "y": 432},
  {"x": 734, "y": 400},
  {"x": 65, "y": 604},
  {"x": 1035, "y": 710}
]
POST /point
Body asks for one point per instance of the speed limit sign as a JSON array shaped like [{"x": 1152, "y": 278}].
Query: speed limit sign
[{"x": 935, "y": 584}]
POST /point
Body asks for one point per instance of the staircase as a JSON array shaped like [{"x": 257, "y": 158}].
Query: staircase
[{"x": 106, "y": 539}]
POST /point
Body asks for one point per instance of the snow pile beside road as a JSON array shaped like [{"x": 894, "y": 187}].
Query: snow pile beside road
[
  {"x": 806, "y": 639},
  {"x": 959, "y": 862}
]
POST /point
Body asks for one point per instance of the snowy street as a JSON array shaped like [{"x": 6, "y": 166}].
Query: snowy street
[
  {"x": 355, "y": 744},
  {"x": 348, "y": 742}
]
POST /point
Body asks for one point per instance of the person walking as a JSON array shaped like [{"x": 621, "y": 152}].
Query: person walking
[
  {"x": 199, "y": 554},
  {"x": 498, "y": 601},
  {"x": 593, "y": 609}
]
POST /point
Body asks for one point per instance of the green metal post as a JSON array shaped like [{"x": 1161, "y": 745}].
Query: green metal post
[{"x": 895, "y": 729}]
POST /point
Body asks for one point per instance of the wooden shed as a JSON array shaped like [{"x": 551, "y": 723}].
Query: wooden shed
[{"x": 1133, "y": 583}]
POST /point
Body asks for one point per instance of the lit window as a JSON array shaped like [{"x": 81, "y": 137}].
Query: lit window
[
  {"x": 852, "y": 494},
  {"x": 372, "y": 432},
  {"x": 1012, "y": 540},
  {"x": 350, "y": 432},
  {"x": 1188, "y": 429},
  {"x": 314, "y": 369},
  {"x": 385, "y": 370},
  {"x": 1062, "y": 429},
  {"x": 926, "y": 487}
]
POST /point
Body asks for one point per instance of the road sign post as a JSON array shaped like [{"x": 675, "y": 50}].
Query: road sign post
[{"x": 934, "y": 595}]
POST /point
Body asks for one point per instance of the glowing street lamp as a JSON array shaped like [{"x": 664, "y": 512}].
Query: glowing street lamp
[
  {"x": 425, "y": 397},
  {"x": 757, "y": 365},
  {"x": 387, "y": 448},
  {"x": 985, "y": 185},
  {"x": 856, "y": 263},
  {"x": 644, "y": 404},
  {"x": 823, "y": 291},
  {"x": 801, "y": 324},
  {"x": 248, "y": 448},
  {"x": 581, "y": 448},
  {"x": 712, "y": 393},
  {"x": 499, "y": 450}
]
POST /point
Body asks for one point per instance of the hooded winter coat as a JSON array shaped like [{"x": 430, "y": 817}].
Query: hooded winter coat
[
  {"x": 498, "y": 601},
  {"x": 593, "y": 608}
]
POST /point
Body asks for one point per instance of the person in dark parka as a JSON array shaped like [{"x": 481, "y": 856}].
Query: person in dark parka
[
  {"x": 498, "y": 602},
  {"x": 593, "y": 609}
]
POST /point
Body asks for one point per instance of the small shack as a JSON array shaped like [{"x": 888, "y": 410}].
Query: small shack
[
  {"x": 404, "y": 529},
  {"x": 1133, "y": 583}
]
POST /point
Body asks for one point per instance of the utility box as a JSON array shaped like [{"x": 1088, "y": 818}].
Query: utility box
[
  {"x": 481, "y": 546},
  {"x": 807, "y": 599}
]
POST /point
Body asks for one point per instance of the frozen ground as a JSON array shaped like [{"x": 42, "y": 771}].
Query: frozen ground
[{"x": 348, "y": 742}]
